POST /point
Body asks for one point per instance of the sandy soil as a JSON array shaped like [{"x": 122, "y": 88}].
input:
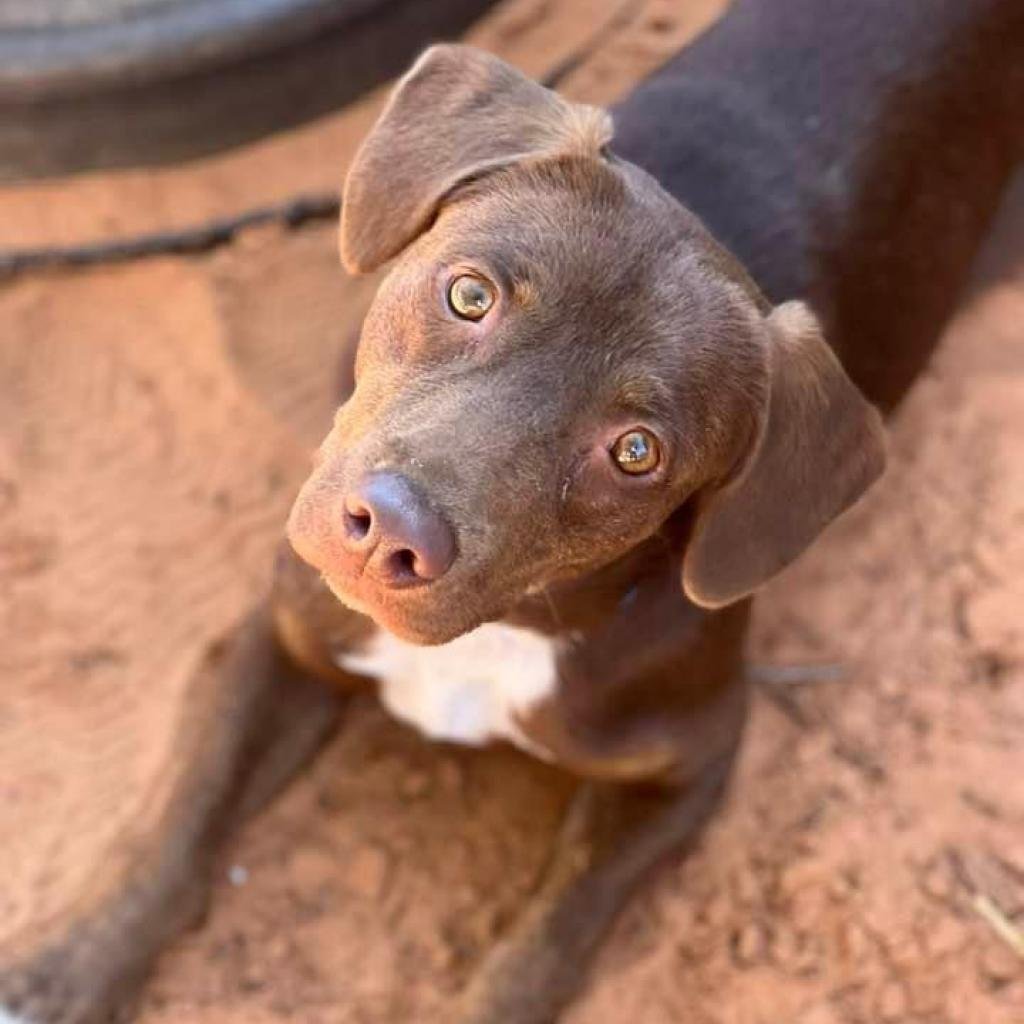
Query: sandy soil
[{"x": 155, "y": 420}]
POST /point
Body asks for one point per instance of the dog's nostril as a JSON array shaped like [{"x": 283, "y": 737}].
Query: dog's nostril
[
  {"x": 403, "y": 565},
  {"x": 358, "y": 523}
]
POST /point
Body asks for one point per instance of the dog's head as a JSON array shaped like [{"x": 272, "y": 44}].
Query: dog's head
[{"x": 560, "y": 359}]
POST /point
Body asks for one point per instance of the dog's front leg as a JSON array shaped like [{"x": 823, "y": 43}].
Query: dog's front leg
[
  {"x": 254, "y": 717},
  {"x": 612, "y": 836}
]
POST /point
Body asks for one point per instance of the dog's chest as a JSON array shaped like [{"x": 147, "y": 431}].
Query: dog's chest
[{"x": 468, "y": 691}]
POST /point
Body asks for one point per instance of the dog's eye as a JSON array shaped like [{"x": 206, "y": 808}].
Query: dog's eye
[
  {"x": 637, "y": 452},
  {"x": 470, "y": 297}
]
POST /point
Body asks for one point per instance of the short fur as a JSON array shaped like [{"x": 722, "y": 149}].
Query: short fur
[{"x": 850, "y": 155}]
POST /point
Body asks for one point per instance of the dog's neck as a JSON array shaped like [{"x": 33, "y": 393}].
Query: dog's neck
[
  {"x": 849, "y": 153},
  {"x": 590, "y": 602}
]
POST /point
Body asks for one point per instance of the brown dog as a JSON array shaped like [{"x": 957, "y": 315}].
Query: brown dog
[
  {"x": 575, "y": 415},
  {"x": 581, "y": 435},
  {"x": 586, "y": 426}
]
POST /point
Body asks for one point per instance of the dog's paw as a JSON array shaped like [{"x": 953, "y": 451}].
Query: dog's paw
[
  {"x": 84, "y": 980},
  {"x": 523, "y": 980}
]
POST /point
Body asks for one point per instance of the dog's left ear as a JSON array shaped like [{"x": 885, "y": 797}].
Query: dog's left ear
[
  {"x": 819, "y": 446},
  {"x": 458, "y": 114}
]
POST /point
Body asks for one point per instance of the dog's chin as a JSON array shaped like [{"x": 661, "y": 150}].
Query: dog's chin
[{"x": 416, "y": 624}]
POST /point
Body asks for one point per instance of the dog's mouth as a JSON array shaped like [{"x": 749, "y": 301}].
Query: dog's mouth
[
  {"x": 422, "y": 617},
  {"x": 388, "y": 552}
]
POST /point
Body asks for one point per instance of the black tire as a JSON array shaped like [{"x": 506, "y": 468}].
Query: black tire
[{"x": 168, "y": 80}]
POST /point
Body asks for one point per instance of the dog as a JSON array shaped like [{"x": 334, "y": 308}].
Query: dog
[{"x": 624, "y": 369}]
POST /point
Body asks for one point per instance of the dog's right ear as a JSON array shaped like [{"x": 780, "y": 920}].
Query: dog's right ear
[{"x": 456, "y": 115}]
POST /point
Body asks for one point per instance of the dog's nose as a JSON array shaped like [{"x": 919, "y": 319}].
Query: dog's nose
[{"x": 404, "y": 540}]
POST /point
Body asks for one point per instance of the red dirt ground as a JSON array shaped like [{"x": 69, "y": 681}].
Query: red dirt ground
[{"x": 155, "y": 419}]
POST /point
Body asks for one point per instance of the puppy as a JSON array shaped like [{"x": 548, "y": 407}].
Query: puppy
[
  {"x": 583, "y": 432},
  {"x": 623, "y": 370}
]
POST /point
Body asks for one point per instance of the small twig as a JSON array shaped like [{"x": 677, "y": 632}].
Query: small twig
[
  {"x": 796, "y": 675},
  {"x": 780, "y": 683},
  {"x": 990, "y": 912}
]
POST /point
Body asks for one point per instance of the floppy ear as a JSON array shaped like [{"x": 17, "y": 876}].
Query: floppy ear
[
  {"x": 820, "y": 446},
  {"x": 456, "y": 114}
]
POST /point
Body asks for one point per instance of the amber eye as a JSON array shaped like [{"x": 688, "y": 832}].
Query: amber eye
[
  {"x": 470, "y": 297},
  {"x": 636, "y": 452}
]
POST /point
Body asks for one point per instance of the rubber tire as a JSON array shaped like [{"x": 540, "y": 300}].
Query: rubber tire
[{"x": 166, "y": 91}]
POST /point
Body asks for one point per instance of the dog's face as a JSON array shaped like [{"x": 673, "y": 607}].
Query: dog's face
[{"x": 560, "y": 358}]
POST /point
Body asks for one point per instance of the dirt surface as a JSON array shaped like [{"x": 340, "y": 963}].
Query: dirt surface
[{"x": 154, "y": 423}]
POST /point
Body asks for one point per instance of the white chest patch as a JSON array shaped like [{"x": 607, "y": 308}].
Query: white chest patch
[
  {"x": 8, "y": 1018},
  {"x": 467, "y": 691}
]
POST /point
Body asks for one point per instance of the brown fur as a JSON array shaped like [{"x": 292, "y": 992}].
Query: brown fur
[
  {"x": 607, "y": 287},
  {"x": 851, "y": 153},
  {"x": 615, "y": 308}
]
